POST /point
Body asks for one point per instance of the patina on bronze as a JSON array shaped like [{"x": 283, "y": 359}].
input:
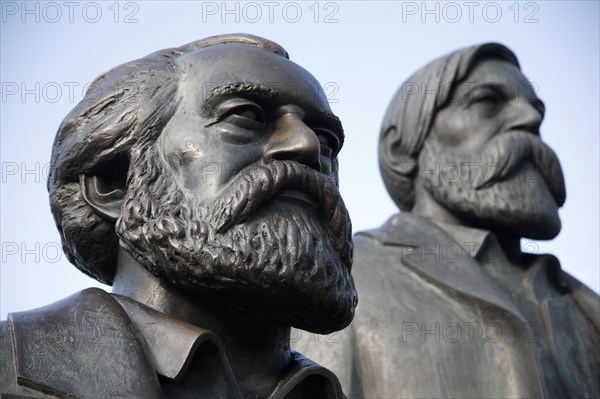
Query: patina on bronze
[
  {"x": 450, "y": 305},
  {"x": 201, "y": 182}
]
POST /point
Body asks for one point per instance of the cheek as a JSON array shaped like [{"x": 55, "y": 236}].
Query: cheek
[
  {"x": 451, "y": 127},
  {"x": 181, "y": 156},
  {"x": 462, "y": 129},
  {"x": 181, "y": 144},
  {"x": 192, "y": 166},
  {"x": 213, "y": 170}
]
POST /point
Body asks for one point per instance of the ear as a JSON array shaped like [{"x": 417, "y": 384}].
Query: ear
[
  {"x": 395, "y": 159},
  {"x": 102, "y": 196}
]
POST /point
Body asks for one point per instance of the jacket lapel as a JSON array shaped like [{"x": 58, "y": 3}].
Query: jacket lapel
[
  {"x": 433, "y": 254},
  {"x": 567, "y": 302}
]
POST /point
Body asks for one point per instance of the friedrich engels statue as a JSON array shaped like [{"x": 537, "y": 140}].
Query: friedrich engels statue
[
  {"x": 201, "y": 183},
  {"x": 450, "y": 305}
]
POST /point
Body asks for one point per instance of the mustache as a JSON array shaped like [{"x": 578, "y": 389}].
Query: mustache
[
  {"x": 257, "y": 184},
  {"x": 509, "y": 150}
]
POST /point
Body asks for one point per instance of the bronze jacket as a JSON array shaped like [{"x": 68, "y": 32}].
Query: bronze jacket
[
  {"x": 432, "y": 323},
  {"x": 93, "y": 345}
]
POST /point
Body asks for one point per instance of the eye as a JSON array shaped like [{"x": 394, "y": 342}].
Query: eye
[
  {"x": 486, "y": 100},
  {"x": 489, "y": 99},
  {"x": 242, "y": 113},
  {"x": 329, "y": 142},
  {"x": 249, "y": 113},
  {"x": 239, "y": 121},
  {"x": 246, "y": 116}
]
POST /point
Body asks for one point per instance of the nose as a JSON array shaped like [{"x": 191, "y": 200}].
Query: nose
[
  {"x": 528, "y": 117},
  {"x": 293, "y": 140}
]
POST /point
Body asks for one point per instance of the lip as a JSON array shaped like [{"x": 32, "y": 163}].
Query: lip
[{"x": 297, "y": 195}]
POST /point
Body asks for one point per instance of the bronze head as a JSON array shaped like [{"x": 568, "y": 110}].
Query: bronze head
[
  {"x": 463, "y": 132},
  {"x": 214, "y": 165}
]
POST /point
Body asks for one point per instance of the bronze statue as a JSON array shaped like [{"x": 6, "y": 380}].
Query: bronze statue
[
  {"x": 450, "y": 305},
  {"x": 201, "y": 182}
]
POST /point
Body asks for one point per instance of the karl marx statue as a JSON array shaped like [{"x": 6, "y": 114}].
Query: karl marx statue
[
  {"x": 201, "y": 182},
  {"x": 451, "y": 306}
]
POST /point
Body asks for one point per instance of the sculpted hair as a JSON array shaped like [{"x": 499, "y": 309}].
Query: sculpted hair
[
  {"x": 412, "y": 110},
  {"x": 123, "y": 111}
]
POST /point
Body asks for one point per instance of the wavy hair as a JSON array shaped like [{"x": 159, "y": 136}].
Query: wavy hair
[
  {"x": 412, "y": 111},
  {"x": 122, "y": 114}
]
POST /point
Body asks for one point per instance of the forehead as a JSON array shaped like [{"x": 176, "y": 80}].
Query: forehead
[
  {"x": 255, "y": 70},
  {"x": 499, "y": 73}
]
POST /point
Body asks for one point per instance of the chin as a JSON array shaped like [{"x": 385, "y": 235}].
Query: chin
[
  {"x": 520, "y": 205},
  {"x": 545, "y": 226}
]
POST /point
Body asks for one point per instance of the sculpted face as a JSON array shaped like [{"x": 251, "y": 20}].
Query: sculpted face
[
  {"x": 496, "y": 97},
  {"x": 278, "y": 112},
  {"x": 490, "y": 166},
  {"x": 237, "y": 200}
]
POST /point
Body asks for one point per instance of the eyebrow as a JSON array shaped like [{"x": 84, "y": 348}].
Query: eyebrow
[
  {"x": 218, "y": 92},
  {"x": 255, "y": 90},
  {"x": 471, "y": 87},
  {"x": 466, "y": 89}
]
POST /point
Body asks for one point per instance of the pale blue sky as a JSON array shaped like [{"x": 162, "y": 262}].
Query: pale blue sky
[{"x": 359, "y": 51}]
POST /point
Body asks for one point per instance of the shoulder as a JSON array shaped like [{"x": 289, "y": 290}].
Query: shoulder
[
  {"x": 86, "y": 336},
  {"x": 585, "y": 298},
  {"x": 401, "y": 235},
  {"x": 403, "y": 228},
  {"x": 83, "y": 314}
]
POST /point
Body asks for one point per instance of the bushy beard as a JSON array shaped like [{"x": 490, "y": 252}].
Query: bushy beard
[
  {"x": 514, "y": 186},
  {"x": 246, "y": 250}
]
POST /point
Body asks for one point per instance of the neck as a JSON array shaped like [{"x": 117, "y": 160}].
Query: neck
[
  {"x": 511, "y": 246},
  {"x": 258, "y": 350},
  {"x": 427, "y": 207}
]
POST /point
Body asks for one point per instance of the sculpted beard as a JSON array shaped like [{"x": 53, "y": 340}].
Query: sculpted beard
[
  {"x": 243, "y": 249},
  {"x": 515, "y": 184}
]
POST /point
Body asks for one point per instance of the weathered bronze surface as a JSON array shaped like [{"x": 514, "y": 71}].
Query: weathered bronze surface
[
  {"x": 450, "y": 305},
  {"x": 201, "y": 182}
]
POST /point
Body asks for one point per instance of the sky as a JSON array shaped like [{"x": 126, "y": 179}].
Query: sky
[{"x": 359, "y": 51}]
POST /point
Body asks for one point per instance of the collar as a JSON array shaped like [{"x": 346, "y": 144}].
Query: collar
[
  {"x": 472, "y": 239},
  {"x": 544, "y": 270},
  {"x": 411, "y": 231},
  {"x": 171, "y": 344}
]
